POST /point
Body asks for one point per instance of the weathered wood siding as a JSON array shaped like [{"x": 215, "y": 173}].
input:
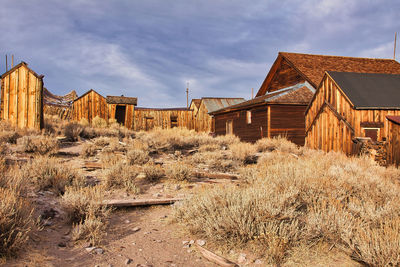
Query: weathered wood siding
[
  {"x": 332, "y": 122},
  {"x": 147, "y": 118},
  {"x": 288, "y": 121},
  {"x": 63, "y": 113},
  {"x": 22, "y": 97},
  {"x": 129, "y": 114},
  {"x": 393, "y": 145},
  {"x": 204, "y": 122},
  {"x": 89, "y": 106}
]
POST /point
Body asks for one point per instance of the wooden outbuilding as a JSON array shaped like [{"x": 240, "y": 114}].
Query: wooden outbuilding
[
  {"x": 121, "y": 108},
  {"x": 88, "y": 106},
  {"x": 60, "y": 106},
  {"x": 393, "y": 144},
  {"x": 22, "y": 97},
  {"x": 165, "y": 118},
  {"x": 348, "y": 105},
  {"x": 294, "y": 73},
  {"x": 203, "y": 121}
]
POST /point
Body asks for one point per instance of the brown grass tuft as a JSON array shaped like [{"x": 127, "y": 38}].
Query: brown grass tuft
[
  {"x": 122, "y": 176},
  {"x": 153, "y": 172},
  {"x": 179, "y": 171},
  {"x": 41, "y": 145}
]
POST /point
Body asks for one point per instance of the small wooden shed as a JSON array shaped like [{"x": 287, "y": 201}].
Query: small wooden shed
[
  {"x": 165, "y": 118},
  {"x": 121, "y": 108},
  {"x": 22, "y": 97},
  {"x": 88, "y": 106},
  {"x": 393, "y": 144},
  {"x": 348, "y": 105},
  {"x": 60, "y": 106}
]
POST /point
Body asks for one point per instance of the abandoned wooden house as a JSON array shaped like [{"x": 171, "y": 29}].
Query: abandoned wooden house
[
  {"x": 194, "y": 105},
  {"x": 203, "y": 121},
  {"x": 60, "y": 106},
  {"x": 291, "y": 75},
  {"x": 348, "y": 105},
  {"x": 88, "y": 106},
  {"x": 393, "y": 143},
  {"x": 165, "y": 118},
  {"x": 22, "y": 97},
  {"x": 121, "y": 108}
]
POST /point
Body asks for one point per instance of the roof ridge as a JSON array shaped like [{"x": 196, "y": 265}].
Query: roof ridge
[{"x": 307, "y": 54}]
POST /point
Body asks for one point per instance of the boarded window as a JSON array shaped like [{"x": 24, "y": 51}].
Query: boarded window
[
  {"x": 174, "y": 121},
  {"x": 371, "y": 133},
  {"x": 229, "y": 127},
  {"x": 248, "y": 117}
]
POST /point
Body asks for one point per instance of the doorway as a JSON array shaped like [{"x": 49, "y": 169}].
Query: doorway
[
  {"x": 149, "y": 123},
  {"x": 120, "y": 112}
]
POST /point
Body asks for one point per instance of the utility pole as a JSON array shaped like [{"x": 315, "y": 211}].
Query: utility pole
[
  {"x": 252, "y": 93},
  {"x": 6, "y": 64},
  {"x": 187, "y": 95},
  {"x": 394, "y": 51}
]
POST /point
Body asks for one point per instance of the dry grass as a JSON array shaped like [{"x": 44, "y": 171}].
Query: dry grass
[
  {"x": 98, "y": 122},
  {"x": 277, "y": 143},
  {"x": 73, "y": 131},
  {"x": 153, "y": 172},
  {"x": 122, "y": 176},
  {"x": 179, "y": 171},
  {"x": 42, "y": 145},
  {"x": 51, "y": 174},
  {"x": 347, "y": 202},
  {"x": 89, "y": 150},
  {"x": 84, "y": 209},
  {"x": 136, "y": 156}
]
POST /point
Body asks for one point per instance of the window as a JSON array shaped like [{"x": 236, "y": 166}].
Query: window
[
  {"x": 248, "y": 117},
  {"x": 174, "y": 121},
  {"x": 229, "y": 127},
  {"x": 372, "y": 133}
]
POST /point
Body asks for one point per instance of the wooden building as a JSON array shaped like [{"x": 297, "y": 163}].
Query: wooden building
[
  {"x": 348, "y": 105},
  {"x": 88, "y": 106},
  {"x": 393, "y": 144},
  {"x": 121, "y": 108},
  {"x": 22, "y": 97},
  {"x": 203, "y": 121},
  {"x": 60, "y": 106},
  {"x": 289, "y": 73},
  {"x": 165, "y": 118}
]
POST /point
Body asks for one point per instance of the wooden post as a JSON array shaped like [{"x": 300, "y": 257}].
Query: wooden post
[
  {"x": 12, "y": 61},
  {"x": 394, "y": 51},
  {"x": 269, "y": 122},
  {"x": 6, "y": 64},
  {"x": 252, "y": 93}
]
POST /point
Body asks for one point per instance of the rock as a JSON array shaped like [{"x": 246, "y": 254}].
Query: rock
[
  {"x": 191, "y": 242},
  {"x": 135, "y": 229},
  {"x": 62, "y": 244},
  {"x": 128, "y": 261},
  {"x": 157, "y": 195},
  {"x": 258, "y": 262},
  {"x": 201, "y": 242},
  {"x": 242, "y": 258},
  {"x": 185, "y": 242},
  {"x": 158, "y": 241},
  {"x": 90, "y": 249},
  {"x": 99, "y": 250},
  {"x": 127, "y": 221}
]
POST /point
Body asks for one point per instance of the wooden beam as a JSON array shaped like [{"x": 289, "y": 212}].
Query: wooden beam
[
  {"x": 215, "y": 258},
  {"x": 269, "y": 121},
  {"x": 216, "y": 175},
  {"x": 139, "y": 202}
]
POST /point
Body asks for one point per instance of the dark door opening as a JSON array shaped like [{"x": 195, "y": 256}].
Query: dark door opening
[{"x": 120, "y": 114}]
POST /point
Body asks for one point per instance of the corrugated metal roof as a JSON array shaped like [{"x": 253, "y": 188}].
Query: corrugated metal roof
[{"x": 213, "y": 104}]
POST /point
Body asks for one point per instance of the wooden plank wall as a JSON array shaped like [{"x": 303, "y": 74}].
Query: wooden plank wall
[
  {"x": 89, "y": 106},
  {"x": 288, "y": 121},
  {"x": 321, "y": 131},
  {"x": 204, "y": 122},
  {"x": 257, "y": 129},
  {"x": 285, "y": 76},
  {"x": 63, "y": 113},
  {"x": 393, "y": 144},
  {"x": 162, "y": 118},
  {"x": 129, "y": 114},
  {"x": 22, "y": 98}
]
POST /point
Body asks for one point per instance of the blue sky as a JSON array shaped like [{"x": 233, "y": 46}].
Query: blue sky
[{"x": 151, "y": 48}]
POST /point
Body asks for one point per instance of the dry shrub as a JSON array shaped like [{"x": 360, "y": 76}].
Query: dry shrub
[
  {"x": 51, "y": 174},
  {"x": 84, "y": 122},
  {"x": 109, "y": 158},
  {"x": 9, "y": 136},
  {"x": 122, "y": 176},
  {"x": 351, "y": 203},
  {"x": 209, "y": 147},
  {"x": 84, "y": 209},
  {"x": 216, "y": 160},
  {"x": 153, "y": 172},
  {"x": 226, "y": 140},
  {"x": 73, "y": 131},
  {"x": 99, "y": 122},
  {"x": 179, "y": 171},
  {"x": 136, "y": 156},
  {"x": 102, "y": 142},
  {"x": 242, "y": 151},
  {"x": 16, "y": 221},
  {"x": 38, "y": 144},
  {"x": 89, "y": 150},
  {"x": 277, "y": 143}
]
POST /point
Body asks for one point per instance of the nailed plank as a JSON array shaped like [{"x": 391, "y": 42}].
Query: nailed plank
[
  {"x": 215, "y": 258},
  {"x": 92, "y": 165},
  {"x": 140, "y": 202},
  {"x": 216, "y": 175}
]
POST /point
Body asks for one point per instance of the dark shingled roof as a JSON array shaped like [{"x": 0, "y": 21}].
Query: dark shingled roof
[
  {"x": 394, "y": 119},
  {"x": 369, "y": 90},
  {"x": 121, "y": 100}
]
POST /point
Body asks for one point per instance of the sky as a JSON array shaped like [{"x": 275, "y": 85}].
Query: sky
[{"x": 151, "y": 49}]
